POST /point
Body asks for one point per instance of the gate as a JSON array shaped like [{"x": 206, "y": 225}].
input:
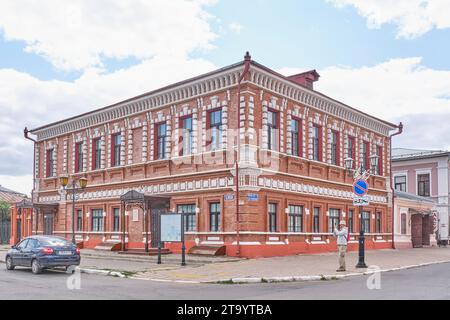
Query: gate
[{"x": 5, "y": 230}]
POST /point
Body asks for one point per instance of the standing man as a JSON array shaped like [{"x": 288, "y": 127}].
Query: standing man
[{"x": 342, "y": 237}]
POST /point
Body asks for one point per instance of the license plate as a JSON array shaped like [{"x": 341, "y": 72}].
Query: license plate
[{"x": 65, "y": 253}]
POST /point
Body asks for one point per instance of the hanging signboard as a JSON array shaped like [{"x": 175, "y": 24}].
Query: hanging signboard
[{"x": 361, "y": 201}]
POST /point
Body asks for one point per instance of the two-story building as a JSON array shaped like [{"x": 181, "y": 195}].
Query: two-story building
[
  {"x": 178, "y": 143},
  {"x": 425, "y": 173}
]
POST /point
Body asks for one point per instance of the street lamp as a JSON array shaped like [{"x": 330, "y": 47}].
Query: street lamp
[
  {"x": 348, "y": 163},
  {"x": 374, "y": 162},
  {"x": 82, "y": 183}
]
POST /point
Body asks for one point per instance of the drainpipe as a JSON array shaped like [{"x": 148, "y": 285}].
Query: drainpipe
[
  {"x": 25, "y": 134},
  {"x": 400, "y": 130},
  {"x": 247, "y": 61}
]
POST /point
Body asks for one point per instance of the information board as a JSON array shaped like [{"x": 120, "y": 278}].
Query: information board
[{"x": 171, "y": 227}]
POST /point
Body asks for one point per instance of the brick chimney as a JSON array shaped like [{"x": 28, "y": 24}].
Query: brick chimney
[{"x": 305, "y": 79}]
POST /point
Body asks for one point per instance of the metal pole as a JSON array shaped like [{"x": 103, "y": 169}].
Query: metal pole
[
  {"x": 183, "y": 247},
  {"x": 361, "y": 253},
  {"x": 158, "y": 217},
  {"x": 122, "y": 209},
  {"x": 73, "y": 212}
]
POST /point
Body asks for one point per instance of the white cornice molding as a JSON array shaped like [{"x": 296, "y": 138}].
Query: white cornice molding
[{"x": 222, "y": 80}]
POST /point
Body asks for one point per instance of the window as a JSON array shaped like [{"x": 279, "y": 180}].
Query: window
[
  {"x": 316, "y": 220},
  {"x": 379, "y": 167},
  {"x": 23, "y": 244},
  {"x": 350, "y": 221},
  {"x": 50, "y": 164},
  {"x": 365, "y": 156},
  {"x": 33, "y": 244},
  {"x": 116, "y": 140},
  {"x": 296, "y": 137},
  {"x": 316, "y": 143},
  {"x": 187, "y": 136},
  {"x": 295, "y": 223},
  {"x": 272, "y": 130},
  {"x": 351, "y": 150},
  {"x": 97, "y": 220},
  {"x": 378, "y": 222},
  {"x": 400, "y": 183},
  {"x": 79, "y": 220},
  {"x": 190, "y": 223},
  {"x": 403, "y": 223},
  {"x": 96, "y": 154},
  {"x": 423, "y": 185},
  {"x": 215, "y": 126},
  {"x": 161, "y": 131},
  {"x": 214, "y": 216},
  {"x": 333, "y": 219},
  {"x": 272, "y": 217},
  {"x": 116, "y": 219},
  {"x": 335, "y": 148},
  {"x": 79, "y": 157},
  {"x": 365, "y": 221}
]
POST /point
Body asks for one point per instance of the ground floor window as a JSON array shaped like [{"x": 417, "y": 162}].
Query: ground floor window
[
  {"x": 378, "y": 222},
  {"x": 403, "y": 223},
  {"x": 333, "y": 219},
  {"x": 350, "y": 221},
  {"x": 316, "y": 220},
  {"x": 272, "y": 217},
  {"x": 116, "y": 219},
  {"x": 214, "y": 216},
  {"x": 365, "y": 221},
  {"x": 79, "y": 220},
  {"x": 295, "y": 223},
  {"x": 190, "y": 223},
  {"x": 97, "y": 220}
]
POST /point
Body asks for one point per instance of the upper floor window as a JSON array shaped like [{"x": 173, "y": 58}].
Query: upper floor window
[
  {"x": 296, "y": 137},
  {"x": 50, "y": 168},
  {"x": 351, "y": 150},
  {"x": 423, "y": 185},
  {"x": 295, "y": 223},
  {"x": 316, "y": 143},
  {"x": 379, "y": 167},
  {"x": 161, "y": 132},
  {"x": 116, "y": 140},
  {"x": 335, "y": 148},
  {"x": 400, "y": 183},
  {"x": 79, "y": 157},
  {"x": 365, "y": 155},
  {"x": 272, "y": 130},
  {"x": 215, "y": 127},
  {"x": 96, "y": 154},
  {"x": 187, "y": 136}
]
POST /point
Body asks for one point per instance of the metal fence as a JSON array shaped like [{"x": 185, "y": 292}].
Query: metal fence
[{"x": 5, "y": 230}]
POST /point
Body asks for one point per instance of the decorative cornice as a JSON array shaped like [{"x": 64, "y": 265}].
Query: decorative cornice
[{"x": 221, "y": 79}]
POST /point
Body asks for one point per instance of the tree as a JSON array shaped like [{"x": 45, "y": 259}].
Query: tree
[{"x": 4, "y": 210}]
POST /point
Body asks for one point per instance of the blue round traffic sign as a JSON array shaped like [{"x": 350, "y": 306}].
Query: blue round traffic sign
[{"x": 360, "y": 187}]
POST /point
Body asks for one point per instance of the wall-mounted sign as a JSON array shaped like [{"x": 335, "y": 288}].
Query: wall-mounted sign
[
  {"x": 360, "y": 187},
  {"x": 361, "y": 201},
  {"x": 252, "y": 197},
  {"x": 228, "y": 197}
]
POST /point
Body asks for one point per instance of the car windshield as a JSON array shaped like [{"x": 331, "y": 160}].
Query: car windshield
[{"x": 55, "y": 242}]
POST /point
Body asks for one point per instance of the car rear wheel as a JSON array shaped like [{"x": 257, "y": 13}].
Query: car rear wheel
[
  {"x": 9, "y": 264},
  {"x": 35, "y": 267}
]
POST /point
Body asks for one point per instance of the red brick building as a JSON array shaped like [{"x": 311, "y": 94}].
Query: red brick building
[{"x": 178, "y": 142}]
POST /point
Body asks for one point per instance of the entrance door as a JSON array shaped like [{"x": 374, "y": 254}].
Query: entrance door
[
  {"x": 156, "y": 209},
  {"x": 416, "y": 230},
  {"x": 48, "y": 224},
  {"x": 426, "y": 229}
]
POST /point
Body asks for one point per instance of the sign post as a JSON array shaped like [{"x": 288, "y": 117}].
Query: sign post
[{"x": 360, "y": 188}]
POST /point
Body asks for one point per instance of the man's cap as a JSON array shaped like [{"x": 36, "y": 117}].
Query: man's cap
[{"x": 342, "y": 223}]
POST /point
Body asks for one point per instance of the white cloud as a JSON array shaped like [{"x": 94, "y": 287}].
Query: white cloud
[
  {"x": 22, "y": 184},
  {"x": 83, "y": 33},
  {"x": 395, "y": 90},
  {"x": 413, "y": 17},
  {"x": 235, "y": 27}
]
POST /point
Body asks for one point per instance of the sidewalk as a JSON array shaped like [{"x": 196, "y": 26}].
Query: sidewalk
[{"x": 225, "y": 269}]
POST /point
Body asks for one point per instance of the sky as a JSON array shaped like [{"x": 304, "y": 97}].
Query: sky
[{"x": 62, "y": 58}]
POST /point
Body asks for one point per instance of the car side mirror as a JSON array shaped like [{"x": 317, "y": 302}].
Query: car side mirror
[{"x": 13, "y": 247}]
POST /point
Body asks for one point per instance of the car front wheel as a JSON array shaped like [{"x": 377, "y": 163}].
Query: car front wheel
[
  {"x": 35, "y": 267},
  {"x": 9, "y": 264}
]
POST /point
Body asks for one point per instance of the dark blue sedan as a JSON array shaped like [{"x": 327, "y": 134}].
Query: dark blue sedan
[{"x": 43, "y": 252}]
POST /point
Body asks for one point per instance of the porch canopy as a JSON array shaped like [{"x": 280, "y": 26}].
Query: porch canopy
[
  {"x": 48, "y": 208},
  {"x": 143, "y": 201}
]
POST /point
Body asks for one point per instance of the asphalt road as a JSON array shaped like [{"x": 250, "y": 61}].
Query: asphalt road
[{"x": 430, "y": 282}]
